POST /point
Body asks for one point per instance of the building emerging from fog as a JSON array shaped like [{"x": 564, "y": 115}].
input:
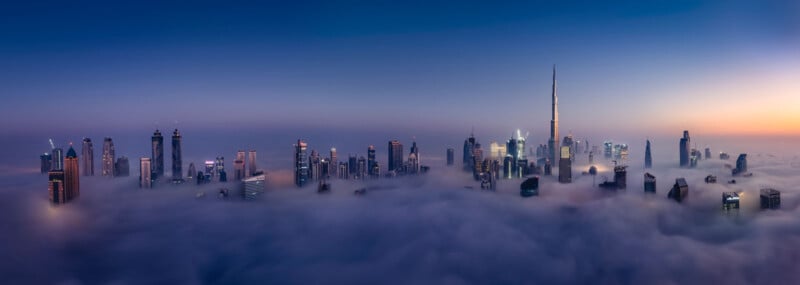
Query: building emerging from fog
[
  {"x": 157, "y": 158},
  {"x": 620, "y": 179},
  {"x": 122, "y": 167},
  {"x": 552, "y": 143},
  {"x": 72, "y": 186},
  {"x": 648, "y": 157},
  {"x": 565, "y": 166},
  {"x": 730, "y": 200},
  {"x": 55, "y": 187},
  {"x": 251, "y": 163},
  {"x": 87, "y": 157},
  {"x": 649, "y": 183},
  {"x": 177, "y": 157},
  {"x": 46, "y": 162},
  {"x": 300, "y": 163},
  {"x": 530, "y": 187},
  {"x": 145, "y": 173},
  {"x": 469, "y": 148},
  {"x": 395, "y": 156},
  {"x": 685, "y": 149},
  {"x": 238, "y": 166},
  {"x": 741, "y": 165},
  {"x": 254, "y": 187},
  {"x": 108, "y": 158},
  {"x": 451, "y": 156},
  {"x": 679, "y": 191},
  {"x": 770, "y": 198}
]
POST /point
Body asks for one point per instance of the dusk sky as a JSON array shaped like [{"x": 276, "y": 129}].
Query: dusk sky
[{"x": 641, "y": 67}]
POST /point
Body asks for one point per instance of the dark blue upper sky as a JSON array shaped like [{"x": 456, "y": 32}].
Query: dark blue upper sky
[{"x": 404, "y": 64}]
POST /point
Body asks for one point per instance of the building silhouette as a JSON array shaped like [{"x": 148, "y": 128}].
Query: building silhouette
[
  {"x": 333, "y": 167},
  {"x": 177, "y": 157},
  {"x": 450, "y": 156},
  {"x": 300, "y": 163},
  {"x": 238, "y": 166},
  {"x": 108, "y": 158},
  {"x": 708, "y": 153},
  {"x": 251, "y": 163},
  {"x": 145, "y": 173},
  {"x": 530, "y": 187},
  {"x": 372, "y": 164},
  {"x": 565, "y": 166},
  {"x": 770, "y": 198},
  {"x": 192, "y": 172},
  {"x": 72, "y": 188},
  {"x": 730, "y": 200},
  {"x": 254, "y": 187},
  {"x": 649, "y": 183},
  {"x": 157, "y": 158},
  {"x": 395, "y": 156},
  {"x": 648, "y": 157},
  {"x": 55, "y": 187},
  {"x": 469, "y": 147},
  {"x": 552, "y": 143},
  {"x": 685, "y": 149},
  {"x": 679, "y": 191},
  {"x": 741, "y": 165},
  {"x": 87, "y": 157},
  {"x": 46, "y": 162},
  {"x": 122, "y": 167}
]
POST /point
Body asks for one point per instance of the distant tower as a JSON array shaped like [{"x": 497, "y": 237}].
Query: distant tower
[
  {"x": 177, "y": 157},
  {"x": 46, "y": 162},
  {"x": 158, "y": 155},
  {"x": 450, "y": 156},
  {"x": 741, "y": 165},
  {"x": 145, "y": 173},
  {"x": 395, "y": 155},
  {"x": 122, "y": 167},
  {"x": 55, "y": 187},
  {"x": 649, "y": 183},
  {"x": 679, "y": 191},
  {"x": 469, "y": 150},
  {"x": 300, "y": 163},
  {"x": 87, "y": 157},
  {"x": 372, "y": 163},
  {"x": 334, "y": 165},
  {"x": 238, "y": 166},
  {"x": 565, "y": 166},
  {"x": 685, "y": 149},
  {"x": 72, "y": 187},
  {"x": 219, "y": 166},
  {"x": 413, "y": 158},
  {"x": 108, "y": 157},
  {"x": 553, "y": 143},
  {"x": 192, "y": 171},
  {"x": 58, "y": 159},
  {"x": 648, "y": 158},
  {"x": 251, "y": 163}
]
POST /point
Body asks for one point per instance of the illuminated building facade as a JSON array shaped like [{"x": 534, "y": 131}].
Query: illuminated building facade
[
  {"x": 108, "y": 158},
  {"x": 87, "y": 157}
]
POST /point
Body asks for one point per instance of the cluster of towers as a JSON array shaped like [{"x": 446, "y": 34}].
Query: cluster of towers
[{"x": 313, "y": 167}]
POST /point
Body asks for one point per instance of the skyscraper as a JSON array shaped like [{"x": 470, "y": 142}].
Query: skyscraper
[
  {"x": 145, "y": 173},
  {"x": 741, "y": 165},
  {"x": 679, "y": 191},
  {"x": 72, "y": 187},
  {"x": 219, "y": 166},
  {"x": 648, "y": 158},
  {"x": 122, "y": 167},
  {"x": 238, "y": 166},
  {"x": 300, "y": 163},
  {"x": 374, "y": 172},
  {"x": 395, "y": 156},
  {"x": 46, "y": 161},
  {"x": 685, "y": 149},
  {"x": 87, "y": 157},
  {"x": 254, "y": 187},
  {"x": 334, "y": 163},
  {"x": 108, "y": 157},
  {"x": 553, "y": 143},
  {"x": 469, "y": 147},
  {"x": 55, "y": 187},
  {"x": 158, "y": 155},
  {"x": 58, "y": 159},
  {"x": 192, "y": 171},
  {"x": 565, "y": 166},
  {"x": 314, "y": 164},
  {"x": 770, "y": 198},
  {"x": 450, "y": 156},
  {"x": 251, "y": 163},
  {"x": 649, "y": 183},
  {"x": 413, "y": 158},
  {"x": 362, "y": 168},
  {"x": 708, "y": 153},
  {"x": 177, "y": 157}
]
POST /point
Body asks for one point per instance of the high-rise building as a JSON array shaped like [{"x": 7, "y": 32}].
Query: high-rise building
[
  {"x": 649, "y": 183},
  {"x": 177, "y": 156},
  {"x": 708, "y": 153},
  {"x": 362, "y": 168},
  {"x": 565, "y": 166},
  {"x": 770, "y": 198},
  {"x": 251, "y": 163},
  {"x": 553, "y": 143},
  {"x": 145, "y": 173},
  {"x": 157, "y": 158},
  {"x": 648, "y": 158},
  {"x": 685, "y": 149},
  {"x": 741, "y": 165},
  {"x": 374, "y": 171},
  {"x": 58, "y": 159},
  {"x": 192, "y": 171},
  {"x": 395, "y": 156},
  {"x": 238, "y": 166},
  {"x": 219, "y": 165},
  {"x": 210, "y": 171},
  {"x": 608, "y": 149},
  {"x": 334, "y": 164},
  {"x": 254, "y": 186},
  {"x": 497, "y": 150},
  {"x": 730, "y": 201},
  {"x": 413, "y": 159},
  {"x": 469, "y": 147},
  {"x": 314, "y": 171},
  {"x": 55, "y": 187},
  {"x": 679, "y": 191},
  {"x": 46, "y": 162},
  {"x": 72, "y": 186},
  {"x": 122, "y": 167},
  {"x": 344, "y": 170},
  {"x": 620, "y": 179},
  {"x": 300, "y": 163},
  {"x": 352, "y": 165},
  {"x": 450, "y": 156},
  {"x": 108, "y": 157},
  {"x": 530, "y": 187},
  {"x": 87, "y": 157}
]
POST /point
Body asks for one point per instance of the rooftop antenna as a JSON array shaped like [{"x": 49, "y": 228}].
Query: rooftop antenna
[{"x": 52, "y": 145}]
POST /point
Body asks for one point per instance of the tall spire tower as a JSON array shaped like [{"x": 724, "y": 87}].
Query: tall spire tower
[{"x": 553, "y": 143}]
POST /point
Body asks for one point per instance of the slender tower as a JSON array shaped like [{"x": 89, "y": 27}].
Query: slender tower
[
  {"x": 72, "y": 187},
  {"x": 177, "y": 156},
  {"x": 553, "y": 143},
  {"x": 108, "y": 157},
  {"x": 87, "y": 157},
  {"x": 158, "y": 155},
  {"x": 648, "y": 158}
]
